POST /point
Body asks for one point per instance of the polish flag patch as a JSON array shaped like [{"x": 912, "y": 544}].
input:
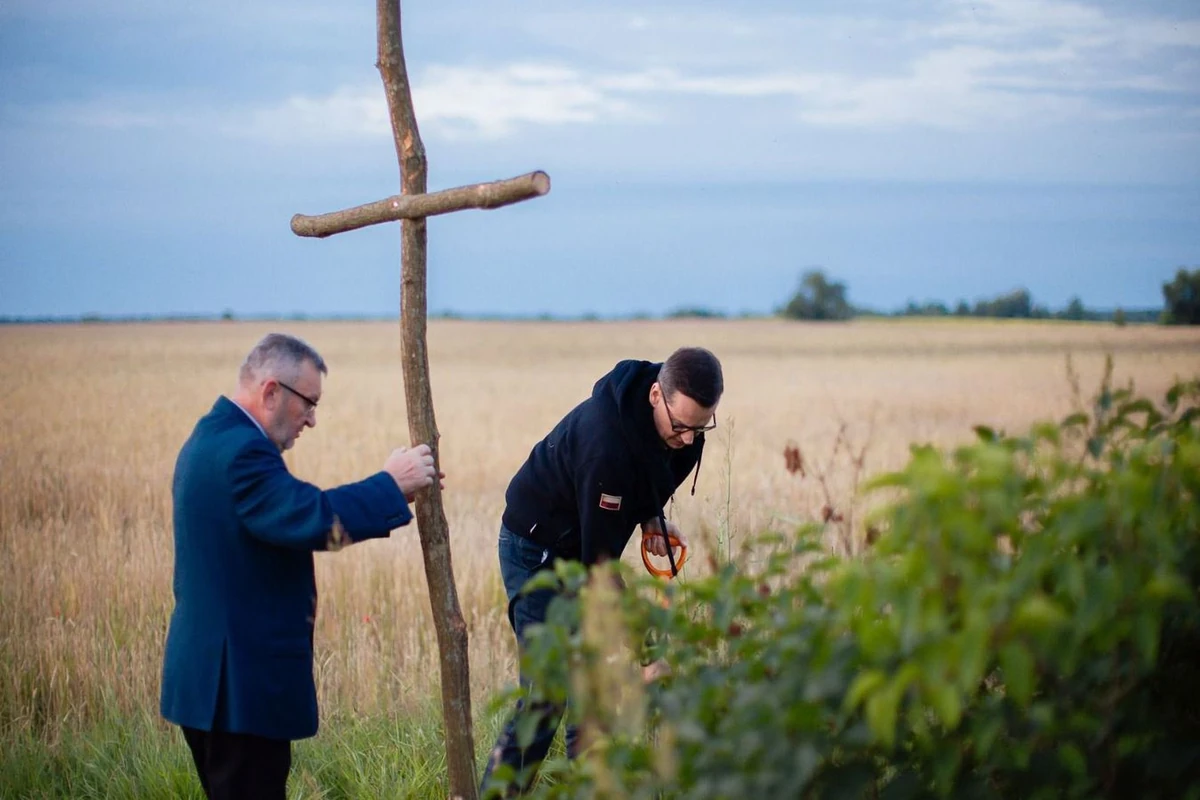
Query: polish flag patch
[{"x": 610, "y": 502}]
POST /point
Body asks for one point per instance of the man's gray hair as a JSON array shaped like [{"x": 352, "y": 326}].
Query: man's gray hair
[{"x": 279, "y": 355}]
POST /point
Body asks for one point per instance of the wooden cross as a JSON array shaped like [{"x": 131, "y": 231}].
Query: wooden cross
[{"x": 412, "y": 206}]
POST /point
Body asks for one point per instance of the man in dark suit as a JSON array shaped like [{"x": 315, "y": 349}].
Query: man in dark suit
[{"x": 238, "y": 666}]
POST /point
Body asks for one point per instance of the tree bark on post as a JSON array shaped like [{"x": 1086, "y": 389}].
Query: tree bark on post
[{"x": 431, "y": 517}]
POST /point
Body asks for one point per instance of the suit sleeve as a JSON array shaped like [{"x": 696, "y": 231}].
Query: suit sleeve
[
  {"x": 282, "y": 510},
  {"x": 604, "y": 522}
]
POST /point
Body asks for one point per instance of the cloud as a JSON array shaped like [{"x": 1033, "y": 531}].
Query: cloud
[
  {"x": 950, "y": 84},
  {"x": 123, "y": 112},
  {"x": 991, "y": 19},
  {"x": 456, "y": 102},
  {"x": 490, "y": 103},
  {"x": 976, "y": 67},
  {"x": 669, "y": 81},
  {"x": 347, "y": 114},
  {"x": 1094, "y": 49},
  {"x": 1073, "y": 23}
]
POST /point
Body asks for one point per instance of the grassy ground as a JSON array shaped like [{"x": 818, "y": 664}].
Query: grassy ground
[{"x": 138, "y": 756}]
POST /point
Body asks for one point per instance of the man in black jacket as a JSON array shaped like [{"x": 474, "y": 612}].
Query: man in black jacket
[{"x": 607, "y": 467}]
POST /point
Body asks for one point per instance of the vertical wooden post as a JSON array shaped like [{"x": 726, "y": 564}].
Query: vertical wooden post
[{"x": 431, "y": 517}]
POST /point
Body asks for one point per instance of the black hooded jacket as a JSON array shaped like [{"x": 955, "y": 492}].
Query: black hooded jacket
[{"x": 600, "y": 472}]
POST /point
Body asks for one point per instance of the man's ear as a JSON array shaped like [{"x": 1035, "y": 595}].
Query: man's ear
[
  {"x": 655, "y": 393},
  {"x": 269, "y": 390}
]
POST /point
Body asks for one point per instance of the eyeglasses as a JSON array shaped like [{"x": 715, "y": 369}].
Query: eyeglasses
[
  {"x": 312, "y": 404},
  {"x": 679, "y": 427}
]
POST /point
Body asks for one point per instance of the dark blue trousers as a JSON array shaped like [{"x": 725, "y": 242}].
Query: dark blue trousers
[{"x": 520, "y": 560}]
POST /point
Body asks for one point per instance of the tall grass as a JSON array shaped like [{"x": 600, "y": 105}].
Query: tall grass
[
  {"x": 138, "y": 756},
  {"x": 91, "y": 418}
]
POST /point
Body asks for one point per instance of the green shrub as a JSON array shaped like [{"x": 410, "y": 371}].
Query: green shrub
[{"x": 1027, "y": 625}]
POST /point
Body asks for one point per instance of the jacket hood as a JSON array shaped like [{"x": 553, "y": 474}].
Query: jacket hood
[{"x": 626, "y": 390}]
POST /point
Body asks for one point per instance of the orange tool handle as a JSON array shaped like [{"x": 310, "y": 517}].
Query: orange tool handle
[{"x": 665, "y": 572}]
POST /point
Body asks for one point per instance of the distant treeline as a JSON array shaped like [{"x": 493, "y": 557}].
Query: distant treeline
[
  {"x": 816, "y": 298},
  {"x": 819, "y": 298},
  {"x": 1019, "y": 304},
  {"x": 228, "y": 316}
]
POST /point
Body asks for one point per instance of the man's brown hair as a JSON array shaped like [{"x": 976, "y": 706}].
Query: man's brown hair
[{"x": 695, "y": 372}]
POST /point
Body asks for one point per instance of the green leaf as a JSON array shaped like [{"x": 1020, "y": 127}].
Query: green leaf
[
  {"x": 876, "y": 639},
  {"x": 945, "y": 769},
  {"x": 985, "y": 433},
  {"x": 1173, "y": 396},
  {"x": 1018, "y": 672},
  {"x": 1095, "y": 446},
  {"x": 1077, "y": 419},
  {"x": 1167, "y": 586},
  {"x": 987, "y": 731},
  {"x": 882, "y": 710},
  {"x": 974, "y": 652},
  {"x": 1128, "y": 745},
  {"x": 1073, "y": 580},
  {"x": 542, "y": 579},
  {"x": 888, "y": 480},
  {"x": 1141, "y": 406},
  {"x": 527, "y": 725},
  {"x": 866, "y": 683},
  {"x": 1070, "y": 757},
  {"x": 946, "y": 702},
  {"x": 1047, "y": 431},
  {"x": 1145, "y": 634},
  {"x": 1038, "y": 614}
]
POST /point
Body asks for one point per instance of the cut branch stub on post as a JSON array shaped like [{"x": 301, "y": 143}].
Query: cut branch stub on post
[
  {"x": 412, "y": 207},
  {"x": 417, "y": 206}
]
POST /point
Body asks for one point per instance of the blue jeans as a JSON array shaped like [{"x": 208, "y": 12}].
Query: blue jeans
[{"x": 520, "y": 560}]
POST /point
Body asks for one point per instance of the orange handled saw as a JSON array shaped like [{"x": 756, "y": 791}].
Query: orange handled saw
[{"x": 659, "y": 572}]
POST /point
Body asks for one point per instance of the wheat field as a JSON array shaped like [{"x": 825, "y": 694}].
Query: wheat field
[{"x": 92, "y": 417}]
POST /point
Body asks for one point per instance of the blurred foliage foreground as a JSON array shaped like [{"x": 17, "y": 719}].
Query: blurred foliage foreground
[{"x": 1026, "y": 625}]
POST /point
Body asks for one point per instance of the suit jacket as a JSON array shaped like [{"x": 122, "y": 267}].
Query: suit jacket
[{"x": 239, "y": 652}]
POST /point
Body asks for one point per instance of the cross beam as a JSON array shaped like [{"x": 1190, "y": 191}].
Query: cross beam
[{"x": 418, "y": 206}]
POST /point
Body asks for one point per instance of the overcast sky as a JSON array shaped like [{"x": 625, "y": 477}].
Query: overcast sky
[{"x": 152, "y": 152}]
